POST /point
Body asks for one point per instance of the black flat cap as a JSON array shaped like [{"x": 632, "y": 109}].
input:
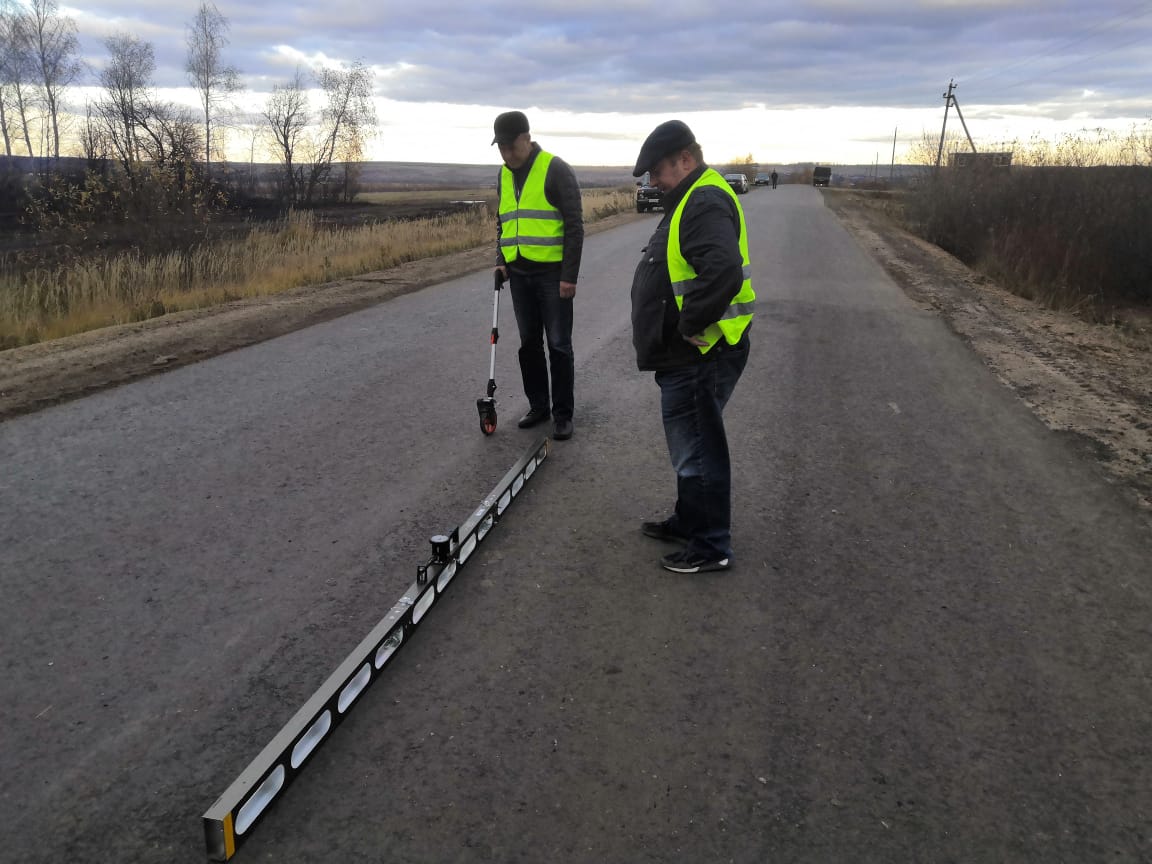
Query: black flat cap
[
  {"x": 509, "y": 126},
  {"x": 666, "y": 138}
]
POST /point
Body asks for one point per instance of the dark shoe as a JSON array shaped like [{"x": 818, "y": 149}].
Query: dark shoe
[
  {"x": 682, "y": 562},
  {"x": 562, "y": 431},
  {"x": 534, "y": 417},
  {"x": 662, "y": 531}
]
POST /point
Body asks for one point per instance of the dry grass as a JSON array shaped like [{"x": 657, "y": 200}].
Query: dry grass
[
  {"x": 47, "y": 304},
  {"x": 1067, "y": 225},
  {"x": 1068, "y": 237}
]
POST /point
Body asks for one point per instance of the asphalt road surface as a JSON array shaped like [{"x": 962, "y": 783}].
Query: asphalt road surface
[{"x": 934, "y": 645}]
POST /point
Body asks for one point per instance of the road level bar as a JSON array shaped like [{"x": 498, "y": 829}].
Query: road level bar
[{"x": 229, "y": 822}]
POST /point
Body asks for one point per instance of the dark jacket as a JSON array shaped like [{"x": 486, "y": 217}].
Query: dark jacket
[
  {"x": 563, "y": 191},
  {"x": 710, "y": 242}
]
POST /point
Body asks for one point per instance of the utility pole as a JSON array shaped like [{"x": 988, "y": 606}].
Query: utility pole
[
  {"x": 949, "y": 101},
  {"x": 947, "y": 105},
  {"x": 892, "y": 165}
]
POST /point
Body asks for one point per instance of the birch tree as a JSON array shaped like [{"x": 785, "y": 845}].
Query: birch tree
[
  {"x": 55, "y": 53},
  {"x": 16, "y": 76},
  {"x": 287, "y": 115},
  {"x": 346, "y": 122},
  {"x": 126, "y": 80},
  {"x": 308, "y": 146},
  {"x": 207, "y": 37}
]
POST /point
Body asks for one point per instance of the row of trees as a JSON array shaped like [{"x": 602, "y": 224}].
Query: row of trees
[
  {"x": 39, "y": 60},
  {"x": 142, "y": 152}
]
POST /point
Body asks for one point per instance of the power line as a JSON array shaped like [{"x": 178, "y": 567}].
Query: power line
[
  {"x": 1054, "y": 50},
  {"x": 1078, "y": 61}
]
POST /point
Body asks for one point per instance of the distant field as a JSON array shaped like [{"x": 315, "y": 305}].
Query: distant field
[
  {"x": 413, "y": 202},
  {"x": 415, "y": 196},
  {"x": 389, "y": 176},
  {"x": 384, "y": 176}
]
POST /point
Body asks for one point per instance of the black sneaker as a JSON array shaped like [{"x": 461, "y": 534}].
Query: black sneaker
[
  {"x": 683, "y": 562},
  {"x": 534, "y": 417},
  {"x": 662, "y": 531},
  {"x": 562, "y": 431}
]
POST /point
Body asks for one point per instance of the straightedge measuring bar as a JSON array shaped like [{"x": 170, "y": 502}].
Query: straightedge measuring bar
[{"x": 229, "y": 821}]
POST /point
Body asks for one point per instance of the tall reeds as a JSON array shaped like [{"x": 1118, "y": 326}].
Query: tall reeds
[{"x": 41, "y": 304}]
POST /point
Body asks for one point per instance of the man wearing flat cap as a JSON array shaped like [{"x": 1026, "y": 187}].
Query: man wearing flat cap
[
  {"x": 692, "y": 303},
  {"x": 539, "y": 242}
]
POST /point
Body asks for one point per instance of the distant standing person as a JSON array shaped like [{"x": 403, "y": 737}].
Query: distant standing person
[
  {"x": 692, "y": 302},
  {"x": 774, "y": 177},
  {"x": 540, "y": 240}
]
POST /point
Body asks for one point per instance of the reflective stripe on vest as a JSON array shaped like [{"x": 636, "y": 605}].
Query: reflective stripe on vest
[
  {"x": 529, "y": 225},
  {"x": 738, "y": 315}
]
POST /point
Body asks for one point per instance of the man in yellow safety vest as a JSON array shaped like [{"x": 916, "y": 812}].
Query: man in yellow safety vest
[
  {"x": 539, "y": 242},
  {"x": 692, "y": 304}
]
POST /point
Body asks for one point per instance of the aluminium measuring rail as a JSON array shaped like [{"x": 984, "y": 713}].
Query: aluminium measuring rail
[{"x": 229, "y": 822}]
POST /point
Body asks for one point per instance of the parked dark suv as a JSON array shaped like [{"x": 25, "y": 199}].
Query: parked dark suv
[{"x": 648, "y": 197}]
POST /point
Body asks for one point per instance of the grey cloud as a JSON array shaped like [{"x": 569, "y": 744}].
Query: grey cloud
[{"x": 628, "y": 56}]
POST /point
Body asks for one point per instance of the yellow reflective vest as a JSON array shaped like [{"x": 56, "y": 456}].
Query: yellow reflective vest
[
  {"x": 738, "y": 315},
  {"x": 529, "y": 225}
]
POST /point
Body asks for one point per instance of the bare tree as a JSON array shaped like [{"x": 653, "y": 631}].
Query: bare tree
[
  {"x": 126, "y": 80},
  {"x": 207, "y": 37},
  {"x": 16, "y": 75},
  {"x": 171, "y": 140},
  {"x": 346, "y": 121},
  {"x": 94, "y": 141},
  {"x": 55, "y": 50},
  {"x": 8, "y": 48},
  {"x": 138, "y": 128},
  {"x": 168, "y": 134},
  {"x": 142, "y": 154},
  {"x": 287, "y": 115}
]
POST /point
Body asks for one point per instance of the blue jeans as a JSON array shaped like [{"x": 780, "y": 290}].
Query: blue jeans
[
  {"x": 692, "y": 400},
  {"x": 540, "y": 312}
]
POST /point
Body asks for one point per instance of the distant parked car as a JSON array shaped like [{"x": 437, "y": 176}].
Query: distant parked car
[
  {"x": 738, "y": 182},
  {"x": 762, "y": 180},
  {"x": 821, "y": 176}
]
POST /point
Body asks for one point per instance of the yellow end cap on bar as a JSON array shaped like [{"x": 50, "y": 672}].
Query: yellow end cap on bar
[{"x": 229, "y": 838}]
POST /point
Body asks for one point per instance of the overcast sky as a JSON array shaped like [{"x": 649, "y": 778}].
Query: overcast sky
[{"x": 805, "y": 80}]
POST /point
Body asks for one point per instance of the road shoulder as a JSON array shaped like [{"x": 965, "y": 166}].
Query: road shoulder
[{"x": 1091, "y": 382}]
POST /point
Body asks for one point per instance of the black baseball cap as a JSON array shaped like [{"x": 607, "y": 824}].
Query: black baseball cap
[
  {"x": 668, "y": 137},
  {"x": 509, "y": 126}
]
